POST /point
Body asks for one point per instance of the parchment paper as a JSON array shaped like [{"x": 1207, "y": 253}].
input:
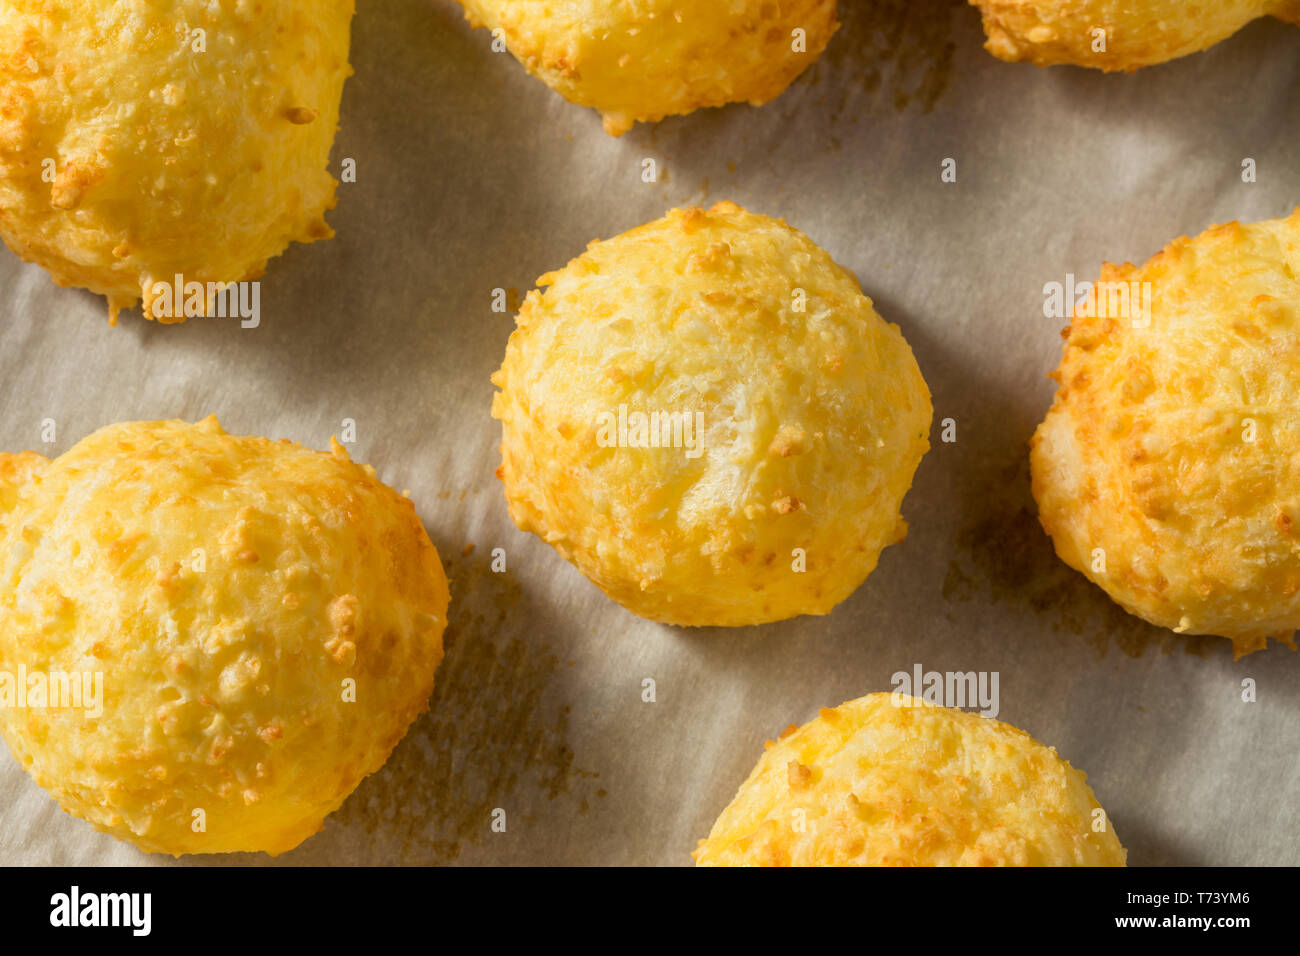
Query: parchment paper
[{"x": 473, "y": 176}]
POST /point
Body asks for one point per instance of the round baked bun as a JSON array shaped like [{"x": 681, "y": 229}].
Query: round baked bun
[
  {"x": 1050, "y": 32},
  {"x": 140, "y": 141},
  {"x": 707, "y": 416},
  {"x": 888, "y": 780},
  {"x": 1168, "y": 468},
  {"x": 265, "y": 621},
  {"x": 639, "y": 62}
]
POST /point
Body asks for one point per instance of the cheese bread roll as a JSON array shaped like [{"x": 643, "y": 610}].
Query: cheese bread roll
[
  {"x": 1168, "y": 468},
  {"x": 263, "y": 621},
  {"x": 141, "y": 140},
  {"x": 887, "y": 780},
  {"x": 707, "y": 416},
  {"x": 641, "y": 60},
  {"x": 1137, "y": 33}
]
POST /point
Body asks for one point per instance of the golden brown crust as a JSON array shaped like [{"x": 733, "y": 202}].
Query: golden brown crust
[
  {"x": 641, "y": 61},
  {"x": 813, "y": 418},
  {"x": 887, "y": 780},
  {"x": 1166, "y": 469},
  {"x": 165, "y": 159},
  {"x": 1137, "y": 33},
  {"x": 16, "y": 471},
  {"x": 226, "y": 589}
]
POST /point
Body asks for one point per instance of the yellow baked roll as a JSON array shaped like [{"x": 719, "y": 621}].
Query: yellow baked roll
[
  {"x": 707, "y": 416},
  {"x": 262, "y": 621},
  {"x": 140, "y": 141},
  {"x": 1116, "y": 34},
  {"x": 887, "y": 780},
  {"x": 641, "y": 60},
  {"x": 1168, "y": 468}
]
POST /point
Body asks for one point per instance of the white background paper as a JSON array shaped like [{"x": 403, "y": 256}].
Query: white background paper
[{"x": 473, "y": 176}]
